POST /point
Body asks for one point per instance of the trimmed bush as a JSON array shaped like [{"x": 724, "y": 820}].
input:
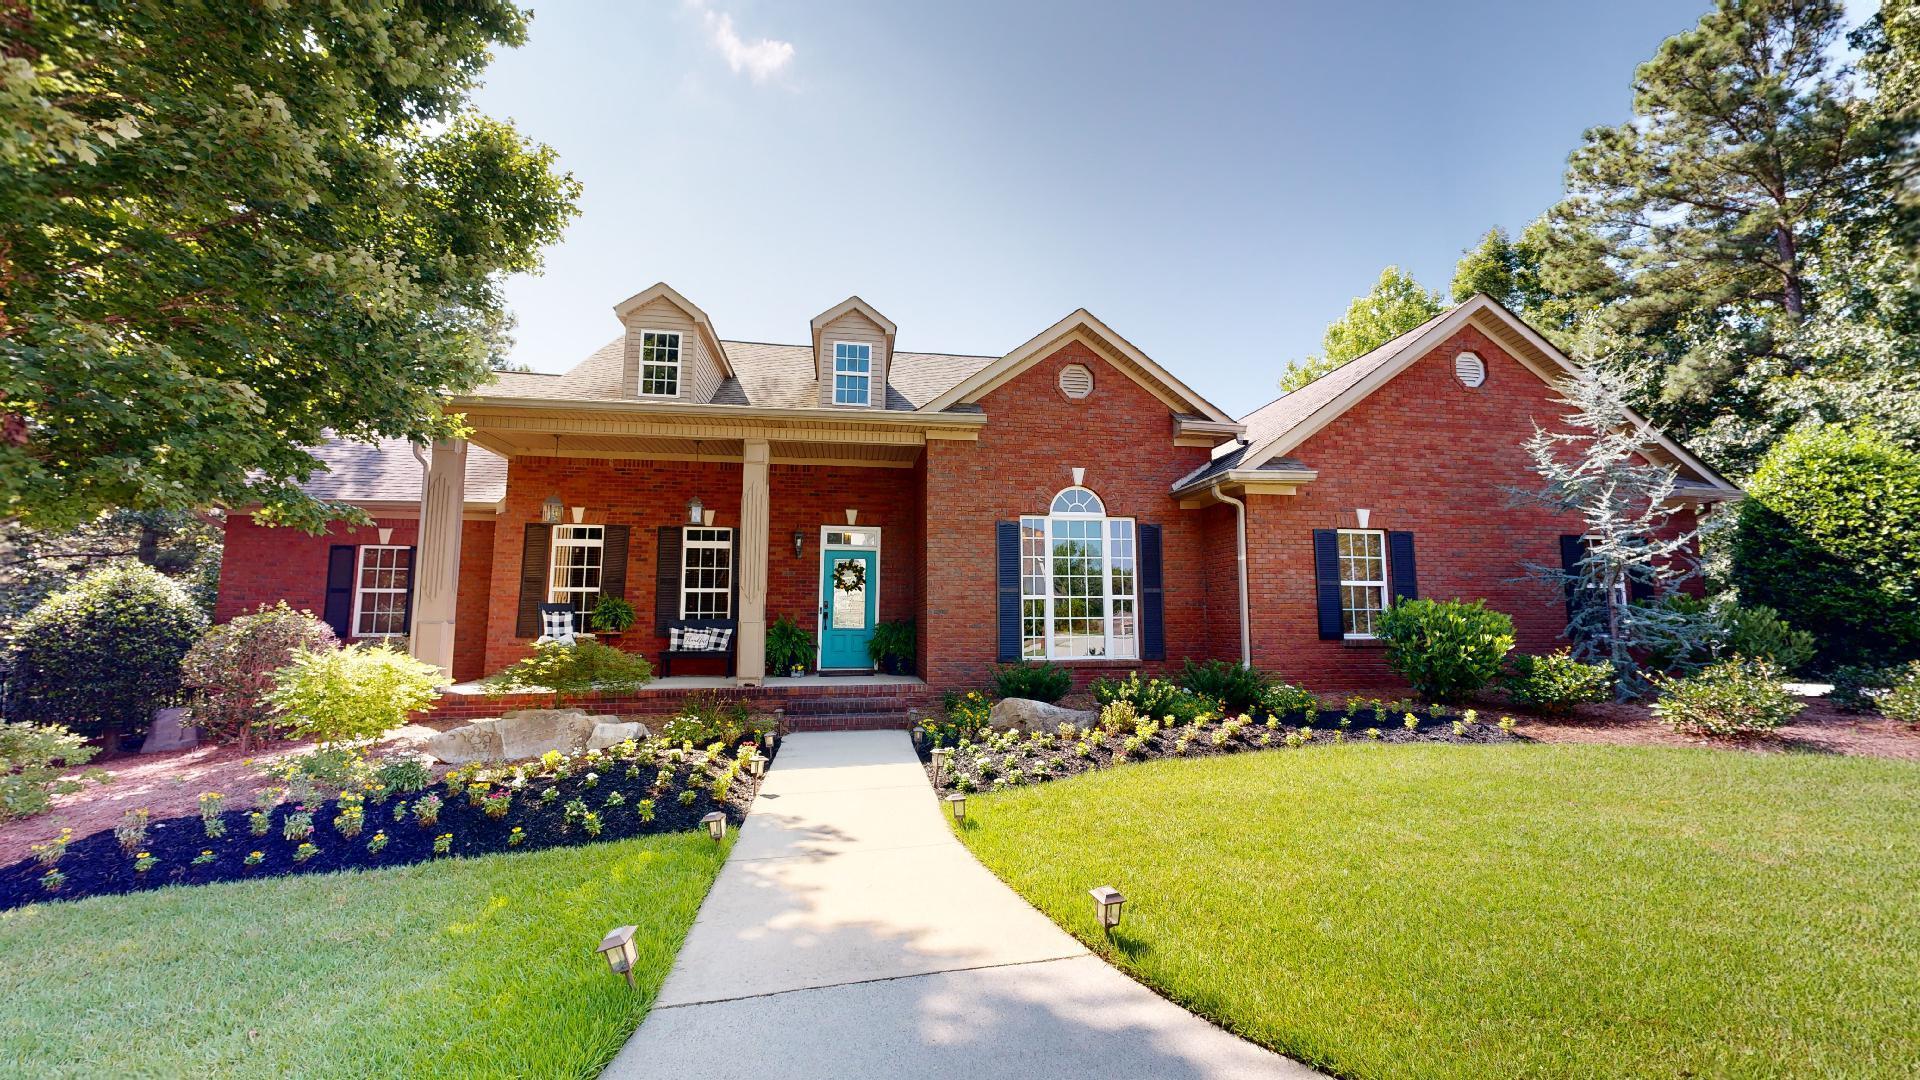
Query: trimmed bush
[
  {"x": 1447, "y": 649},
  {"x": 353, "y": 695},
  {"x": 1149, "y": 697},
  {"x": 1237, "y": 687},
  {"x": 1829, "y": 536},
  {"x": 101, "y": 656},
  {"x": 1901, "y": 702},
  {"x": 1044, "y": 681},
  {"x": 1732, "y": 697},
  {"x": 584, "y": 667},
  {"x": 1556, "y": 682},
  {"x": 1757, "y": 632},
  {"x": 33, "y": 759},
  {"x": 1286, "y": 699},
  {"x": 1858, "y": 688},
  {"x": 230, "y": 669}
]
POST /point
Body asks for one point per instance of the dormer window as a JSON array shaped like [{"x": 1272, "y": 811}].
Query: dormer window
[
  {"x": 659, "y": 363},
  {"x": 852, "y": 373}
]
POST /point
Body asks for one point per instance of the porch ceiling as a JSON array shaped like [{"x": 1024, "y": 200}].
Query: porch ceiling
[{"x": 518, "y": 443}]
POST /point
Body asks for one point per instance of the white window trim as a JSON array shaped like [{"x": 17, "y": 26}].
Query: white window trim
[
  {"x": 360, "y": 590},
  {"x": 1108, "y": 595},
  {"x": 1382, "y": 584},
  {"x": 678, "y": 365},
  {"x": 557, "y": 594},
  {"x": 726, "y": 546},
  {"x": 833, "y": 388}
]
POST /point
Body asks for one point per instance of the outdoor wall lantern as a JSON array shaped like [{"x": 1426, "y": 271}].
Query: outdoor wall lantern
[
  {"x": 620, "y": 952},
  {"x": 694, "y": 511},
  {"x": 1106, "y": 904},
  {"x": 957, "y": 802},
  {"x": 550, "y": 510},
  {"x": 941, "y": 754},
  {"x": 716, "y": 824},
  {"x": 799, "y": 542}
]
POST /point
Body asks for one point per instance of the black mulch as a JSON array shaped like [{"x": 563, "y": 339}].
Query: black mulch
[{"x": 96, "y": 865}]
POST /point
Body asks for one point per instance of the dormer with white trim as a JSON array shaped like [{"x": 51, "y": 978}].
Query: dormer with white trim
[
  {"x": 852, "y": 350},
  {"x": 671, "y": 351}
]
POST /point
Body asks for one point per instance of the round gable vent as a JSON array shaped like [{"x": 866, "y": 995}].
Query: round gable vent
[
  {"x": 1469, "y": 369},
  {"x": 1076, "y": 381}
]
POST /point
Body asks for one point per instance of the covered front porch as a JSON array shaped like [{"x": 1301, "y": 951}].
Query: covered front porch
[{"x": 694, "y": 515}]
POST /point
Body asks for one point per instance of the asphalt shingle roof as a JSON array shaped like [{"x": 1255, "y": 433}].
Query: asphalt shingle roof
[{"x": 386, "y": 471}]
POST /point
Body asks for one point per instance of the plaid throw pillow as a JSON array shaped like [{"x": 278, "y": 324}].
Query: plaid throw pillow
[
  {"x": 697, "y": 639},
  {"x": 675, "y": 638},
  {"x": 558, "y": 626},
  {"x": 722, "y": 636}
]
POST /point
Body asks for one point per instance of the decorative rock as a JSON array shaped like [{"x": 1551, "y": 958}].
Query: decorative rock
[
  {"x": 528, "y": 733},
  {"x": 1027, "y": 715},
  {"x": 170, "y": 731},
  {"x": 478, "y": 741},
  {"x": 615, "y": 733}
]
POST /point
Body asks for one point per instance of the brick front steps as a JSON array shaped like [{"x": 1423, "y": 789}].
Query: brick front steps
[{"x": 804, "y": 705}]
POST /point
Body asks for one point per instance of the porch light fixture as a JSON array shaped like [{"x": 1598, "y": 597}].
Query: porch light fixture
[
  {"x": 620, "y": 952},
  {"x": 694, "y": 510},
  {"x": 716, "y": 824},
  {"x": 1106, "y": 904},
  {"x": 550, "y": 510},
  {"x": 799, "y": 542},
  {"x": 941, "y": 755},
  {"x": 957, "y": 802}
]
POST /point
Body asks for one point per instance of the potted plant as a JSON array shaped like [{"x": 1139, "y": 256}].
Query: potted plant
[
  {"x": 789, "y": 648},
  {"x": 892, "y": 647},
  {"x": 612, "y": 616}
]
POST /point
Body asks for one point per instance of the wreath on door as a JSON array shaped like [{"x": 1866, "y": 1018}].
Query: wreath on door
[{"x": 850, "y": 576}]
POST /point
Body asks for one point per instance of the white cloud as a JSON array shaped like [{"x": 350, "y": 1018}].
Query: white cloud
[{"x": 760, "y": 60}]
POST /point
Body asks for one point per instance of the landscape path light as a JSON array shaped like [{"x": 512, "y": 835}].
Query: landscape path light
[
  {"x": 1106, "y": 904},
  {"x": 957, "y": 802},
  {"x": 620, "y": 952},
  {"x": 757, "y": 765},
  {"x": 940, "y": 756},
  {"x": 716, "y": 824}
]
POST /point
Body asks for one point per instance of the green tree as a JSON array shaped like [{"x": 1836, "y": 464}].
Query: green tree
[
  {"x": 1396, "y": 305},
  {"x": 230, "y": 227},
  {"x": 35, "y": 563}
]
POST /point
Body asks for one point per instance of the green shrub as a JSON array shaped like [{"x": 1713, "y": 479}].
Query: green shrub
[
  {"x": 1556, "y": 682},
  {"x": 1044, "y": 681},
  {"x": 704, "y": 719},
  {"x": 1829, "y": 536},
  {"x": 1759, "y": 633},
  {"x": 1732, "y": 697},
  {"x": 612, "y": 615},
  {"x": 33, "y": 763},
  {"x": 967, "y": 715},
  {"x": 230, "y": 669},
  {"x": 1237, "y": 687},
  {"x": 1286, "y": 699},
  {"x": 101, "y": 656},
  {"x": 351, "y": 696},
  {"x": 1901, "y": 702},
  {"x": 788, "y": 647},
  {"x": 1447, "y": 649},
  {"x": 893, "y": 646},
  {"x": 1186, "y": 708},
  {"x": 565, "y": 671},
  {"x": 1857, "y": 687},
  {"x": 1149, "y": 697}
]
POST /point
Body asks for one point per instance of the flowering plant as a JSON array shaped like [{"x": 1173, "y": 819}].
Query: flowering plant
[
  {"x": 254, "y": 858},
  {"x": 443, "y": 843},
  {"x": 144, "y": 862},
  {"x": 305, "y": 852}
]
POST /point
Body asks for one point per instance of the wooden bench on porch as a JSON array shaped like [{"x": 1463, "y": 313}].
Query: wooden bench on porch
[{"x": 714, "y": 638}]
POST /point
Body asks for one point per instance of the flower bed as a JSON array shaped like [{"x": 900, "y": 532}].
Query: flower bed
[
  {"x": 993, "y": 760},
  {"x": 624, "y": 791}
]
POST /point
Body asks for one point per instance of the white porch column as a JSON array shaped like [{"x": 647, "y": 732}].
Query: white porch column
[
  {"x": 751, "y": 663},
  {"x": 436, "y": 555}
]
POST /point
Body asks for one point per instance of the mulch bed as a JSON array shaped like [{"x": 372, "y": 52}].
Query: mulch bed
[
  {"x": 1053, "y": 758},
  {"x": 96, "y": 865}
]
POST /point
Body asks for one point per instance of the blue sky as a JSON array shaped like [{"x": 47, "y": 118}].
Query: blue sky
[{"x": 1215, "y": 184}]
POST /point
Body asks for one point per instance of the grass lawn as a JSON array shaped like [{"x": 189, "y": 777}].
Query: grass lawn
[
  {"x": 470, "y": 967},
  {"x": 1502, "y": 911}
]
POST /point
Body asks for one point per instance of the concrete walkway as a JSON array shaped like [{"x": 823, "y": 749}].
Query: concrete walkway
[{"x": 851, "y": 935}]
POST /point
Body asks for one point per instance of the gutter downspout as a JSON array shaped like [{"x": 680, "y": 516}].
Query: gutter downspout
[{"x": 1240, "y": 551}]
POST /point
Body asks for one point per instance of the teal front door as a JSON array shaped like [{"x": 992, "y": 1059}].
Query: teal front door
[{"x": 849, "y": 588}]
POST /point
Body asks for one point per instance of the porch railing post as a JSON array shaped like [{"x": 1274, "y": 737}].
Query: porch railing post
[
  {"x": 754, "y": 509},
  {"x": 436, "y": 557}
]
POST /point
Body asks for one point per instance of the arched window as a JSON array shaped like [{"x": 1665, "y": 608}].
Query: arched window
[{"x": 1078, "y": 595}]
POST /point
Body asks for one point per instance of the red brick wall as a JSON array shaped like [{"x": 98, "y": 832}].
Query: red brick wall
[
  {"x": 1034, "y": 436},
  {"x": 646, "y": 495},
  {"x": 1429, "y": 455}
]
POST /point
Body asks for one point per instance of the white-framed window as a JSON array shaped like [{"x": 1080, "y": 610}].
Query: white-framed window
[
  {"x": 1079, "y": 597},
  {"x": 706, "y": 573},
  {"x": 574, "y": 578},
  {"x": 381, "y": 580},
  {"x": 659, "y": 363},
  {"x": 1363, "y": 581},
  {"x": 852, "y": 373}
]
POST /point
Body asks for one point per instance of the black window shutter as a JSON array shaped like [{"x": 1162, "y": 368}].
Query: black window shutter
[
  {"x": 614, "y": 541},
  {"x": 1326, "y": 583},
  {"x": 1006, "y": 536},
  {"x": 406, "y": 611},
  {"x": 1153, "y": 620},
  {"x": 338, "y": 611},
  {"x": 1406, "y": 583},
  {"x": 666, "y": 580},
  {"x": 1572, "y": 550},
  {"x": 533, "y": 578}
]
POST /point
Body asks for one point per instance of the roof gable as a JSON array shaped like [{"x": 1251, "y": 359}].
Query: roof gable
[
  {"x": 660, "y": 290},
  {"x": 852, "y": 304}
]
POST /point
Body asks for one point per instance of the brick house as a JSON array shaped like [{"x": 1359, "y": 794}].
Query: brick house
[{"x": 1071, "y": 500}]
